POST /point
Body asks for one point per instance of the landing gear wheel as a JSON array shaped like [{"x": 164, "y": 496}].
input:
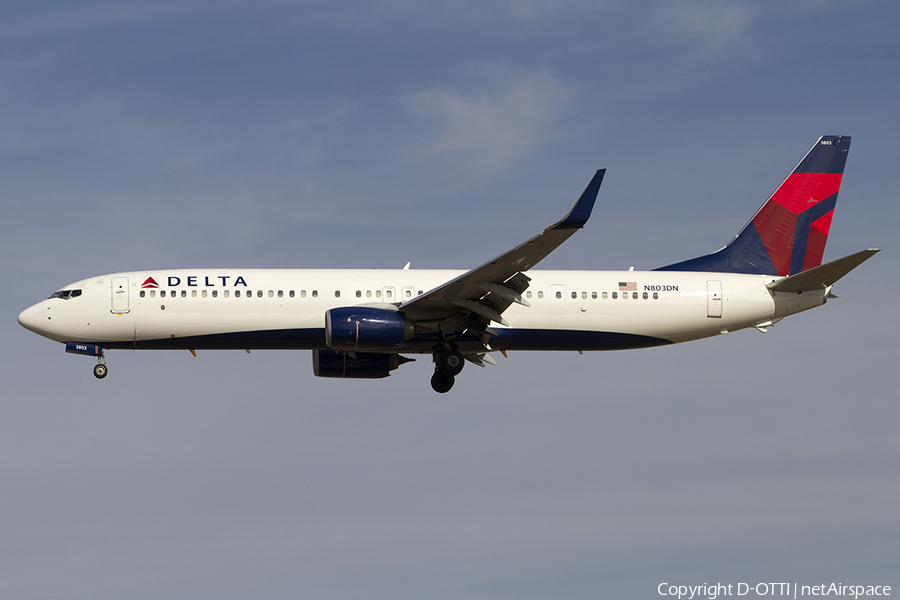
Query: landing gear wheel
[
  {"x": 451, "y": 363},
  {"x": 441, "y": 382},
  {"x": 100, "y": 370}
]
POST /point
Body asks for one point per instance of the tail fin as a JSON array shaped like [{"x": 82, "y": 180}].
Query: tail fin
[{"x": 788, "y": 234}]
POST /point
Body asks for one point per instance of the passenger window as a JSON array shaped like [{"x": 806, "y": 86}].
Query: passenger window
[
  {"x": 584, "y": 295},
  {"x": 203, "y": 293},
  {"x": 143, "y": 293},
  {"x": 153, "y": 293},
  {"x": 225, "y": 293},
  {"x": 593, "y": 295},
  {"x": 259, "y": 293},
  {"x": 368, "y": 293},
  {"x": 645, "y": 295},
  {"x": 162, "y": 293},
  {"x": 558, "y": 295},
  {"x": 528, "y": 295},
  {"x": 303, "y": 293},
  {"x": 291, "y": 294},
  {"x": 271, "y": 294},
  {"x": 359, "y": 293},
  {"x": 409, "y": 293},
  {"x": 655, "y": 296},
  {"x": 388, "y": 294},
  {"x": 280, "y": 293},
  {"x": 540, "y": 295},
  {"x": 193, "y": 293},
  {"x": 315, "y": 293},
  {"x": 615, "y": 295},
  {"x": 634, "y": 295},
  {"x": 604, "y": 295},
  {"x": 215, "y": 293},
  {"x": 237, "y": 293},
  {"x": 574, "y": 295},
  {"x": 184, "y": 293},
  {"x": 337, "y": 293},
  {"x": 378, "y": 293}
]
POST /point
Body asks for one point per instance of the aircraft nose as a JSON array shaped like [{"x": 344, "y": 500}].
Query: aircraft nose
[{"x": 31, "y": 319}]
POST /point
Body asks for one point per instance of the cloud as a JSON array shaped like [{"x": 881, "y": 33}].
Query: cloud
[
  {"x": 710, "y": 28},
  {"x": 496, "y": 127},
  {"x": 67, "y": 19}
]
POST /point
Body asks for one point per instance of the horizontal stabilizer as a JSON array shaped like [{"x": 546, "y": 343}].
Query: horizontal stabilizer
[{"x": 823, "y": 276}]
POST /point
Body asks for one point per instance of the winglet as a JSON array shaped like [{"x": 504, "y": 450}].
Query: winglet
[{"x": 581, "y": 210}]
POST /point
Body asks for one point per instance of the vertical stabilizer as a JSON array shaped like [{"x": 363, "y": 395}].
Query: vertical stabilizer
[{"x": 788, "y": 234}]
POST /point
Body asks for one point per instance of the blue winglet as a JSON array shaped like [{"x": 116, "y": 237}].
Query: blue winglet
[{"x": 581, "y": 210}]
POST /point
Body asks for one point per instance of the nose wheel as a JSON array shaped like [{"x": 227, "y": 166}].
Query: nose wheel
[{"x": 100, "y": 370}]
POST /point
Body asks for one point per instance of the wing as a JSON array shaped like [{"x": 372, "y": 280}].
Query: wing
[{"x": 476, "y": 298}]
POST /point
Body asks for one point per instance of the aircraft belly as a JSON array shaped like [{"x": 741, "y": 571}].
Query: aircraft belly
[
  {"x": 272, "y": 339},
  {"x": 308, "y": 339}
]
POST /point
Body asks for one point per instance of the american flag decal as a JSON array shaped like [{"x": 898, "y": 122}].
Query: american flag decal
[{"x": 627, "y": 286}]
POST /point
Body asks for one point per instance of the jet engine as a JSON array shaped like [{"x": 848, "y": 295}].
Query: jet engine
[
  {"x": 362, "y": 365},
  {"x": 365, "y": 328}
]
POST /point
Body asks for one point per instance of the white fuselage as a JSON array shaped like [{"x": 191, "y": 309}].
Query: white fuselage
[{"x": 285, "y": 308}]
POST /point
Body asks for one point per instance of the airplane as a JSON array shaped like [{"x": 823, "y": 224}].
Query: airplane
[{"x": 360, "y": 322}]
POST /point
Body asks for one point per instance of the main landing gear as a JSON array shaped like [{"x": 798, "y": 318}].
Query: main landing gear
[{"x": 447, "y": 365}]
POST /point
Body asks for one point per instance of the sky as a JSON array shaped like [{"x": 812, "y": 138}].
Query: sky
[{"x": 162, "y": 134}]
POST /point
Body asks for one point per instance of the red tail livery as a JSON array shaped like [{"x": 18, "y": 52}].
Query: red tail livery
[{"x": 788, "y": 234}]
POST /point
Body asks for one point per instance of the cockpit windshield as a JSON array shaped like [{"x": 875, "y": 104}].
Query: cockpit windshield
[{"x": 66, "y": 294}]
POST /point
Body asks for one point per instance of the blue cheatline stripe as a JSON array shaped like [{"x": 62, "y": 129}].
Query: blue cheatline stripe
[{"x": 311, "y": 339}]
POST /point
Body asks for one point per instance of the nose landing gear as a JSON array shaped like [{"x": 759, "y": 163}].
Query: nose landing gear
[{"x": 100, "y": 370}]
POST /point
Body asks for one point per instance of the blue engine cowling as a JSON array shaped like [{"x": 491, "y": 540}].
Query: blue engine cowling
[
  {"x": 362, "y": 365},
  {"x": 365, "y": 328}
]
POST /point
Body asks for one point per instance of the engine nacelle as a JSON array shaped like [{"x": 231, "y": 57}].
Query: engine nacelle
[
  {"x": 363, "y": 365},
  {"x": 365, "y": 328}
]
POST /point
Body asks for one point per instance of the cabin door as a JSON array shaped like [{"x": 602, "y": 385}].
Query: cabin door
[
  {"x": 119, "y": 294},
  {"x": 714, "y": 299}
]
